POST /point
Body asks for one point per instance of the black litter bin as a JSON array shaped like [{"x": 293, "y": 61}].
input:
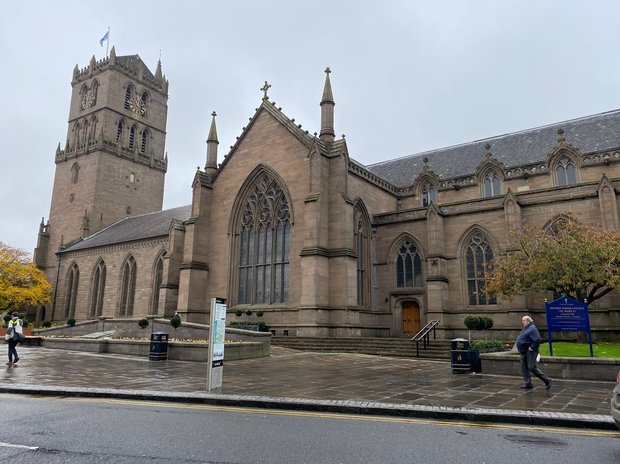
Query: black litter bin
[
  {"x": 159, "y": 346},
  {"x": 460, "y": 356}
]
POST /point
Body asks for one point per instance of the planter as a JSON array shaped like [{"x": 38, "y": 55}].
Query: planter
[{"x": 27, "y": 331}]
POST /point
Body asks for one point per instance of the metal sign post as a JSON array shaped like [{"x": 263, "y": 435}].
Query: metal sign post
[
  {"x": 217, "y": 332},
  {"x": 567, "y": 314}
]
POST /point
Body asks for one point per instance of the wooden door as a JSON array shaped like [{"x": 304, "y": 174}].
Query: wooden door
[{"x": 411, "y": 317}]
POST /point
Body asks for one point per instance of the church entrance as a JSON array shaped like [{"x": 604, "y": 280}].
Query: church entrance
[{"x": 411, "y": 317}]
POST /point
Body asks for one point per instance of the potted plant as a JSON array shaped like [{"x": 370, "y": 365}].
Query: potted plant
[{"x": 478, "y": 323}]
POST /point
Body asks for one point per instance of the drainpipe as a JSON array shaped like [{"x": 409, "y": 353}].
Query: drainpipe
[{"x": 56, "y": 286}]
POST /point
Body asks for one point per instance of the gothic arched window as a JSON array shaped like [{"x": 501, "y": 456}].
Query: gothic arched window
[
  {"x": 128, "y": 95},
  {"x": 144, "y": 141},
  {"x": 132, "y": 137},
  {"x": 73, "y": 279},
  {"x": 478, "y": 255},
  {"x": 565, "y": 172},
  {"x": 408, "y": 265},
  {"x": 128, "y": 287},
  {"x": 361, "y": 233},
  {"x": 96, "y": 301},
  {"x": 428, "y": 194},
  {"x": 491, "y": 184},
  {"x": 75, "y": 173},
  {"x": 264, "y": 245},
  {"x": 157, "y": 281},
  {"x": 119, "y": 131}
]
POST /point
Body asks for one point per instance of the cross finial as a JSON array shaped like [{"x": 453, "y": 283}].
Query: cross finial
[
  {"x": 265, "y": 88},
  {"x": 214, "y": 114},
  {"x": 327, "y": 70}
]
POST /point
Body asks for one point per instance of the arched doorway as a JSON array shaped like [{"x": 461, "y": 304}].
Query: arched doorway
[{"x": 411, "y": 317}]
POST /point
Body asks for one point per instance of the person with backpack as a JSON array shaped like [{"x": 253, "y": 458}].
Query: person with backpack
[{"x": 14, "y": 332}]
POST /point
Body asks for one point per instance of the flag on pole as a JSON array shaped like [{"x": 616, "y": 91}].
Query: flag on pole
[{"x": 104, "y": 38}]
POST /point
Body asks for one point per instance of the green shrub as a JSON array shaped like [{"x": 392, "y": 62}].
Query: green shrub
[
  {"x": 71, "y": 322},
  {"x": 143, "y": 323},
  {"x": 259, "y": 313},
  {"x": 485, "y": 345},
  {"x": 238, "y": 313},
  {"x": 248, "y": 312},
  {"x": 46, "y": 324},
  {"x": 175, "y": 321},
  {"x": 472, "y": 322}
]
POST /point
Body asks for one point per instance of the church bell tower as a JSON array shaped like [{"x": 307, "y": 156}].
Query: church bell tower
[{"x": 113, "y": 163}]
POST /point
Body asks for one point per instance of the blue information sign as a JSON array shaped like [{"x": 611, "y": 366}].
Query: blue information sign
[{"x": 567, "y": 314}]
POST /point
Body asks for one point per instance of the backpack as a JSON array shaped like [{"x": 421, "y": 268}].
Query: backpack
[{"x": 10, "y": 332}]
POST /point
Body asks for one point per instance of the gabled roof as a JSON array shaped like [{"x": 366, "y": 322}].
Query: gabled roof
[
  {"x": 588, "y": 134},
  {"x": 296, "y": 130},
  {"x": 134, "y": 228}
]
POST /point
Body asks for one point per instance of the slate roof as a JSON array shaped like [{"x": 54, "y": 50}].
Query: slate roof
[
  {"x": 588, "y": 134},
  {"x": 134, "y": 228}
]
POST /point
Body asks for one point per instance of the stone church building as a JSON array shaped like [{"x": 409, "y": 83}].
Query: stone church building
[{"x": 288, "y": 223}]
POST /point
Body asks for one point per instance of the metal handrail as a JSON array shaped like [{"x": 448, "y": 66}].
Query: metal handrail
[{"x": 424, "y": 336}]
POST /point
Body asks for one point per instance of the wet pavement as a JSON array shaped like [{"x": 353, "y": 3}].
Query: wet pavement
[{"x": 342, "y": 382}]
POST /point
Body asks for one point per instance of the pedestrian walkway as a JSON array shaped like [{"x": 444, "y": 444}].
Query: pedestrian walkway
[{"x": 343, "y": 382}]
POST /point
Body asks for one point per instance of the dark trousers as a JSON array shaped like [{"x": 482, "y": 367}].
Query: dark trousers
[
  {"x": 529, "y": 366},
  {"x": 12, "y": 350}
]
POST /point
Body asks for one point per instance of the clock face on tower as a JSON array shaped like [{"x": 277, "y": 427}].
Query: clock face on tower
[
  {"x": 137, "y": 106},
  {"x": 88, "y": 99}
]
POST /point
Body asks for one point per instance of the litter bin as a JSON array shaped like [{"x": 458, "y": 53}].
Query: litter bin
[
  {"x": 460, "y": 356},
  {"x": 159, "y": 346}
]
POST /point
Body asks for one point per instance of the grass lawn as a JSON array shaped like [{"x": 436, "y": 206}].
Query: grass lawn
[{"x": 601, "y": 350}]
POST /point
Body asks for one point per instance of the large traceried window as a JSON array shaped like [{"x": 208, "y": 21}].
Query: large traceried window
[
  {"x": 96, "y": 301},
  {"x": 408, "y": 266},
  {"x": 157, "y": 281},
  {"x": 361, "y": 234},
  {"x": 478, "y": 255},
  {"x": 491, "y": 184},
  {"x": 565, "y": 172},
  {"x": 128, "y": 287},
  {"x": 73, "y": 279},
  {"x": 264, "y": 245}
]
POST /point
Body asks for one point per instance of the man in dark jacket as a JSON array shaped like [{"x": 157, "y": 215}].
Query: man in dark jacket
[{"x": 528, "y": 342}]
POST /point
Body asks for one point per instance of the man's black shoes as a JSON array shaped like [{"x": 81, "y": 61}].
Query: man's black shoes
[
  {"x": 548, "y": 385},
  {"x": 527, "y": 386}
]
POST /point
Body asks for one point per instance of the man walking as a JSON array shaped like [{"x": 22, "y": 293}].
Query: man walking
[{"x": 528, "y": 342}]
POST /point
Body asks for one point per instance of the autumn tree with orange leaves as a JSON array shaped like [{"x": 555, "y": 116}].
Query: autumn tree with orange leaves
[
  {"x": 21, "y": 281},
  {"x": 573, "y": 259}
]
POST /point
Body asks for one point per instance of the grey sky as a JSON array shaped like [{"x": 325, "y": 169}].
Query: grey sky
[{"x": 407, "y": 76}]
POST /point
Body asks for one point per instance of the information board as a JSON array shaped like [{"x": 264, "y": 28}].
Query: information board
[
  {"x": 217, "y": 335},
  {"x": 566, "y": 314}
]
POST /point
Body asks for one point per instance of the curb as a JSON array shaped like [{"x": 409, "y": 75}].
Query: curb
[{"x": 500, "y": 416}]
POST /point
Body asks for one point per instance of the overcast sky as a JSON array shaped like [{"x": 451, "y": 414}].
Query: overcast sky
[{"x": 407, "y": 76}]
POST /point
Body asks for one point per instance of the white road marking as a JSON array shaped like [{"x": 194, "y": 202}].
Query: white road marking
[{"x": 13, "y": 445}]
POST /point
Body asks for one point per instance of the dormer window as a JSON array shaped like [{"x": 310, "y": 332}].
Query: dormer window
[
  {"x": 565, "y": 172},
  {"x": 491, "y": 184},
  {"x": 428, "y": 194}
]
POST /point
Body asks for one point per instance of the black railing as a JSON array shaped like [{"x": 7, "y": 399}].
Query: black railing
[{"x": 424, "y": 336}]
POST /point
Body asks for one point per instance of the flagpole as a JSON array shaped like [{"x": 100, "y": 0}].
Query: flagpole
[{"x": 107, "y": 43}]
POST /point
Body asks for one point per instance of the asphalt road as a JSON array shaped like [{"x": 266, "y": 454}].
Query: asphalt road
[{"x": 80, "y": 430}]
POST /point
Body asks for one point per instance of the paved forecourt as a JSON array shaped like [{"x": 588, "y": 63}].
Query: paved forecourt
[{"x": 340, "y": 382}]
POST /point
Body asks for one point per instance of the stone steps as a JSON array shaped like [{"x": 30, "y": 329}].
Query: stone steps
[{"x": 397, "y": 347}]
